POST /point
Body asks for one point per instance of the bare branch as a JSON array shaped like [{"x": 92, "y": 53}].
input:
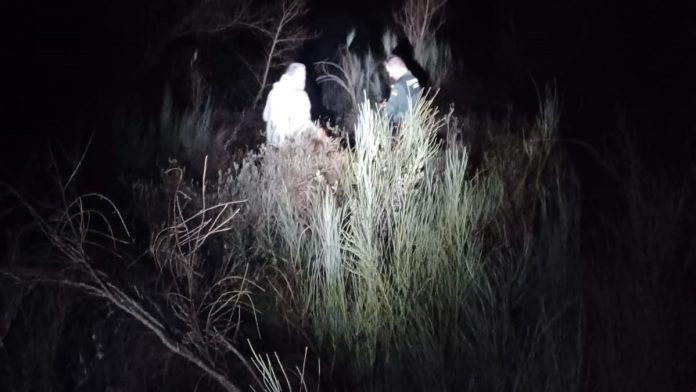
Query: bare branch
[
  {"x": 353, "y": 73},
  {"x": 285, "y": 34},
  {"x": 421, "y": 20},
  {"x": 77, "y": 232}
]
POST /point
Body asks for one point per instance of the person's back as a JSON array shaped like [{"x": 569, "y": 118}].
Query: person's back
[{"x": 288, "y": 111}]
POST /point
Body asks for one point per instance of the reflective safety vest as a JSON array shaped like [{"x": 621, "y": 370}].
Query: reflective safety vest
[{"x": 404, "y": 92}]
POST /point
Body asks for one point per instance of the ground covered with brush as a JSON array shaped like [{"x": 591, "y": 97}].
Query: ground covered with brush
[{"x": 415, "y": 260}]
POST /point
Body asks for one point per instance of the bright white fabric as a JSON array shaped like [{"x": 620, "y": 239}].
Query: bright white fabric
[{"x": 288, "y": 111}]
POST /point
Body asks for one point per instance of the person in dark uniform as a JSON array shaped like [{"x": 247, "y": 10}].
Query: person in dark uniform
[{"x": 405, "y": 91}]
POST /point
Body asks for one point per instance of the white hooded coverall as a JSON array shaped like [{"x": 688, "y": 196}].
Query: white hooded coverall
[{"x": 288, "y": 111}]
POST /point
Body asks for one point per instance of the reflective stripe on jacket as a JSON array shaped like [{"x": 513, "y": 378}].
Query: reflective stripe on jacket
[{"x": 404, "y": 92}]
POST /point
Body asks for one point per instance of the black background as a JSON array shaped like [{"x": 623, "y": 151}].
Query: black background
[{"x": 64, "y": 60}]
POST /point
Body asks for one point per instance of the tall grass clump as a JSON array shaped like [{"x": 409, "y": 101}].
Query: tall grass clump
[
  {"x": 186, "y": 293},
  {"x": 350, "y": 80},
  {"x": 421, "y": 276}
]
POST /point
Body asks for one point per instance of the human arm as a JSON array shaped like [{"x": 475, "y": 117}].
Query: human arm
[{"x": 267, "y": 108}]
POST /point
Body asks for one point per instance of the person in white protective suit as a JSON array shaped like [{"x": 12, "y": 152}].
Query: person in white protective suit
[{"x": 287, "y": 111}]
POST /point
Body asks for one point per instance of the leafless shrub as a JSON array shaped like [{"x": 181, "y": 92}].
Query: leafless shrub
[
  {"x": 208, "y": 17},
  {"x": 421, "y": 21},
  {"x": 276, "y": 23},
  {"x": 356, "y": 77},
  {"x": 88, "y": 230},
  {"x": 283, "y": 35}
]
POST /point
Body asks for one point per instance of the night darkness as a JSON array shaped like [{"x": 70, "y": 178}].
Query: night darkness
[
  {"x": 71, "y": 59},
  {"x": 619, "y": 285}
]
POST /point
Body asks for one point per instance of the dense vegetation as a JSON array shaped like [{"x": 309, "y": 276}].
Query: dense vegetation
[{"x": 459, "y": 251}]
